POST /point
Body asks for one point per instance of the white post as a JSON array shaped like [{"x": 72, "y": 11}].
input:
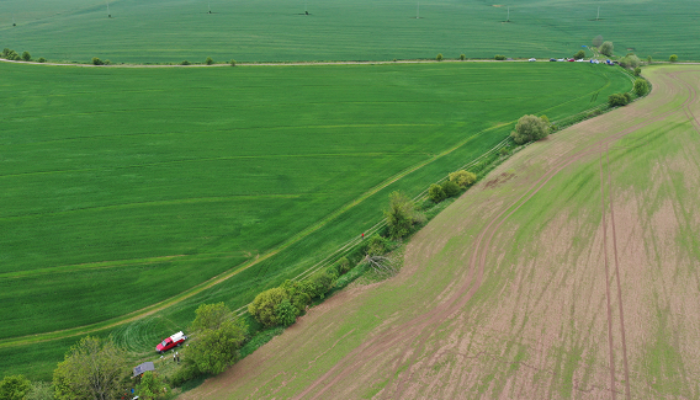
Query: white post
[
  {"x": 596, "y": 18},
  {"x": 108, "y": 13},
  {"x": 418, "y": 10},
  {"x": 508, "y": 19}
]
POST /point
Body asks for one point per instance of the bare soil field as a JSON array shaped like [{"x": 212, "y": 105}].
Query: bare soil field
[{"x": 573, "y": 271}]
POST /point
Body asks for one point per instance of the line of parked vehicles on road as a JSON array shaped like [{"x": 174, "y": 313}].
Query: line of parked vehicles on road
[{"x": 592, "y": 61}]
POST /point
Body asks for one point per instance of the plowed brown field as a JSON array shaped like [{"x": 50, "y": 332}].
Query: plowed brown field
[{"x": 572, "y": 272}]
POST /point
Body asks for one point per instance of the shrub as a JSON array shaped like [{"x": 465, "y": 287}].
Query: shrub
[
  {"x": 209, "y": 61},
  {"x": 298, "y": 293},
  {"x": 152, "y": 387},
  {"x": 41, "y": 60},
  {"x": 628, "y": 97},
  {"x": 673, "y": 58},
  {"x": 504, "y": 151},
  {"x": 435, "y": 193},
  {"x": 233, "y": 63},
  {"x": 400, "y": 216},
  {"x": 637, "y": 71},
  {"x": 14, "y": 387},
  {"x": 343, "y": 265},
  {"x": 439, "y": 57},
  {"x": 10, "y": 54},
  {"x": 263, "y": 307},
  {"x": 463, "y": 178},
  {"x": 375, "y": 246},
  {"x": 597, "y": 41},
  {"x": 107, "y": 62},
  {"x": 451, "y": 189},
  {"x": 40, "y": 391},
  {"x": 96, "y": 61},
  {"x": 286, "y": 313},
  {"x": 617, "y": 100},
  {"x": 606, "y": 48},
  {"x": 641, "y": 87},
  {"x": 630, "y": 61},
  {"x": 649, "y": 60},
  {"x": 500, "y": 57},
  {"x": 26, "y": 56},
  {"x": 580, "y": 54},
  {"x": 530, "y": 128},
  {"x": 320, "y": 284},
  {"x": 185, "y": 63},
  {"x": 462, "y": 57}
]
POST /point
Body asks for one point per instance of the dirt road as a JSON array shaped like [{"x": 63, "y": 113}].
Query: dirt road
[{"x": 573, "y": 272}]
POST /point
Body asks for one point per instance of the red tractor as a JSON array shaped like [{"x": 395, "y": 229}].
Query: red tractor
[{"x": 173, "y": 341}]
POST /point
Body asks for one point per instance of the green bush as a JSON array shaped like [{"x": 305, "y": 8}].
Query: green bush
[
  {"x": 530, "y": 128},
  {"x": 630, "y": 61},
  {"x": 401, "y": 215},
  {"x": 96, "y": 61},
  {"x": 499, "y": 57},
  {"x": 263, "y": 307},
  {"x": 649, "y": 60},
  {"x": 463, "y": 178},
  {"x": 580, "y": 54},
  {"x": 209, "y": 61},
  {"x": 233, "y": 63},
  {"x": 320, "y": 284},
  {"x": 286, "y": 313},
  {"x": 185, "y": 63},
  {"x": 462, "y": 57},
  {"x": 435, "y": 193},
  {"x": 451, "y": 189},
  {"x": 637, "y": 71},
  {"x": 627, "y": 96},
  {"x": 41, "y": 60},
  {"x": 14, "y": 387},
  {"x": 375, "y": 245},
  {"x": 597, "y": 41},
  {"x": 40, "y": 391},
  {"x": 673, "y": 58},
  {"x": 641, "y": 87},
  {"x": 343, "y": 265},
  {"x": 504, "y": 151},
  {"x": 439, "y": 57},
  {"x": 26, "y": 56},
  {"x": 152, "y": 387},
  {"x": 107, "y": 62},
  {"x": 298, "y": 293},
  {"x": 617, "y": 100},
  {"x": 606, "y": 48}
]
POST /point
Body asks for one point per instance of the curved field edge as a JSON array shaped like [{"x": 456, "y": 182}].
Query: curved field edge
[
  {"x": 503, "y": 295},
  {"x": 198, "y": 294}
]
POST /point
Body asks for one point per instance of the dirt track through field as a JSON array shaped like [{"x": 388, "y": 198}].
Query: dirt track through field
[{"x": 480, "y": 312}]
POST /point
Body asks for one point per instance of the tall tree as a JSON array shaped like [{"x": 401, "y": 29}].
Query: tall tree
[
  {"x": 218, "y": 335},
  {"x": 94, "y": 369}
]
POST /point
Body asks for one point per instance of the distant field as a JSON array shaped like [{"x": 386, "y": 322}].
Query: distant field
[
  {"x": 571, "y": 272},
  {"x": 276, "y": 30},
  {"x": 121, "y": 188}
]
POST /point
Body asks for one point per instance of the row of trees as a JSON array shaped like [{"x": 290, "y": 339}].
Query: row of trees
[
  {"x": 451, "y": 187},
  {"x": 12, "y": 55}
]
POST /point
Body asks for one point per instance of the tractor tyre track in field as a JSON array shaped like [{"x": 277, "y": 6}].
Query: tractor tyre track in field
[{"x": 415, "y": 332}]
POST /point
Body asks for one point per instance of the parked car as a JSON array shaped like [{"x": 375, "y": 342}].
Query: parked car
[
  {"x": 609, "y": 62},
  {"x": 580, "y": 60},
  {"x": 532, "y": 60},
  {"x": 562, "y": 60},
  {"x": 171, "y": 342},
  {"x": 571, "y": 60},
  {"x": 552, "y": 59},
  {"x": 594, "y": 61}
]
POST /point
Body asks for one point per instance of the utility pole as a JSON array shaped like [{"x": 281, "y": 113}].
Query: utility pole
[
  {"x": 109, "y": 14},
  {"x": 508, "y": 18},
  {"x": 598, "y": 17},
  {"x": 209, "y": 5},
  {"x": 417, "y": 9},
  {"x": 13, "y": 20}
]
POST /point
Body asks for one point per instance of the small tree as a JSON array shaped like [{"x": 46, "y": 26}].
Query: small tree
[
  {"x": 439, "y": 57},
  {"x": 286, "y": 313},
  {"x": 263, "y": 307},
  {"x": 400, "y": 216},
  {"x": 26, "y": 56},
  {"x": 617, "y": 100},
  {"x": 14, "y": 387},
  {"x": 649, "y": 60},
  {"x": 92, "y": 369},
  {"x": 462, "y": 57},
  {"x": 606, "y": 48},
  {"x": 41, "y": 60},
  {"x": 450, "y": 188},
  {"x": 673, "y": 58},
  {"x": 597, "y": 41},
  {"x": 580, "y": 54},
  {"x": 152, "y": 387},
  {"x": 233, "y": 63},
  {"x": 41, "y": 391},
  {"x": 185, "y": 63},
  {"x": 96, "y": 61},
  {"x": 209, "y": 61},
  {"x": 637, "y": 71},
  {"x": 219, "y": 335},
  {"x": 463, "y": 178},
  {"x": 641, "y": 87},
  {"x": 435, "y": 193},
  {"x": 630, "y": 61},
  {"x": 499, "y": 57},
  {"x": 530, "y": 128}
]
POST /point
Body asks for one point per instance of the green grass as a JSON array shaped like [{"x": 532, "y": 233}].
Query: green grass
[
  {"x": 123, "y": 188},
  {"x": 148, "y": 31}
]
